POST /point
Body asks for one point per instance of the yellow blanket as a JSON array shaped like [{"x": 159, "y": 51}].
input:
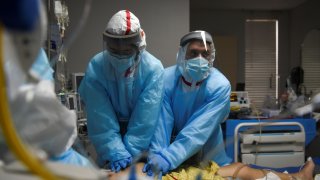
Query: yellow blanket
[{"x": 191, "y": 173}]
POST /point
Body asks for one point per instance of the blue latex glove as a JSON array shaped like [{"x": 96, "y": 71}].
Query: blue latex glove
[
  {"x": 116, "y": 166},
  {"x": 158, "y": 164}
]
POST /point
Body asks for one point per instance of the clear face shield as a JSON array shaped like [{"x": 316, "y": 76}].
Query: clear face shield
[
  {"x": 122, "y": 51},
  {"x": 121, "y": 46},
  {"x": 206, "y": 39},
  {"x": 207, "y": 53},
  {"x": 196, "y": 56}
]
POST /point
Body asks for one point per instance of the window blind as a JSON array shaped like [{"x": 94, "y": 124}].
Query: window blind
[
  {"x": 311, "y": 62},
  {"x": 261, "y": 60}
]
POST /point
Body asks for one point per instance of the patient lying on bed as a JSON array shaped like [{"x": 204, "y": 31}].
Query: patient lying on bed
[{"x": 235, "y": 170}]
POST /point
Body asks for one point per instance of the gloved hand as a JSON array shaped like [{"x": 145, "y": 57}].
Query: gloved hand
[
  {"x": 156, "y": 164},
  {"x": 116, "y": 166}
]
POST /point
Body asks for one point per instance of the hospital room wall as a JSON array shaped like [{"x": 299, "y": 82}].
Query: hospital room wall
[
  {"x": 304, "y": 18},
  {"x": 163, "y": 21},
  {"x": 231, "y": 23},
  {"x": 293, "y": 26}
]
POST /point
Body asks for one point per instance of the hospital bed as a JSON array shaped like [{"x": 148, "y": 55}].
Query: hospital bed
[{"x": 269, "y": 143}]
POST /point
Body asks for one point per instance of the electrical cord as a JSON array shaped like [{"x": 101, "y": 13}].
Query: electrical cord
[{"x": 255, "y": 110}]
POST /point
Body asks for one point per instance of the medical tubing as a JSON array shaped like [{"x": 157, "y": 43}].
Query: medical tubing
[
  {"x": 260, "y": 132},
  {"x": 9, "y": 132},
  {"x": 78, "y": 28}
]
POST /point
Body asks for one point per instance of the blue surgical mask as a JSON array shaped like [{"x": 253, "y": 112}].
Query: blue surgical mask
[
  {"x": 121, "y": 62},
  {"x": 197, "y": 68}
]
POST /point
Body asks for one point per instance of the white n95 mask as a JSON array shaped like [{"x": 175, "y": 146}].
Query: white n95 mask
[{"x": 41, "y": 120}]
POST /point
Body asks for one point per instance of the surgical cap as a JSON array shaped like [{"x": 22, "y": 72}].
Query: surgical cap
[{"x": 124, "y": 25}]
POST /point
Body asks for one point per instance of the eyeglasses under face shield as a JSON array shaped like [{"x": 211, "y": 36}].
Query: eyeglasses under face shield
[{"x": 122, "y": 45}]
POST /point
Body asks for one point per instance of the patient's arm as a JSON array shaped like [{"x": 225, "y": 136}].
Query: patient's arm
[{"x": 244, "y": 172}]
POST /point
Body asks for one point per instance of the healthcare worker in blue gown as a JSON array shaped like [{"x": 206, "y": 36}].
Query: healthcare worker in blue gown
[
  {"x": 196, "y": 101},
  {"x": 122, "y": 91},
  {"x": 42, "y": 69}
]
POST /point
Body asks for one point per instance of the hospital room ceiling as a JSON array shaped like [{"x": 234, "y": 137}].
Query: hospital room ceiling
[{"x": 246, "y": 4}]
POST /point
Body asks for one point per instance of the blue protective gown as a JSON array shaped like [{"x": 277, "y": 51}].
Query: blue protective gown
[
  {"x": 72, "y": 157},
  {"x": 112, "y": 97},
  {"x": 43, "y": 69},
  {"x": 195, "y": 116},
  {"x": 42, "y": 66}
]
